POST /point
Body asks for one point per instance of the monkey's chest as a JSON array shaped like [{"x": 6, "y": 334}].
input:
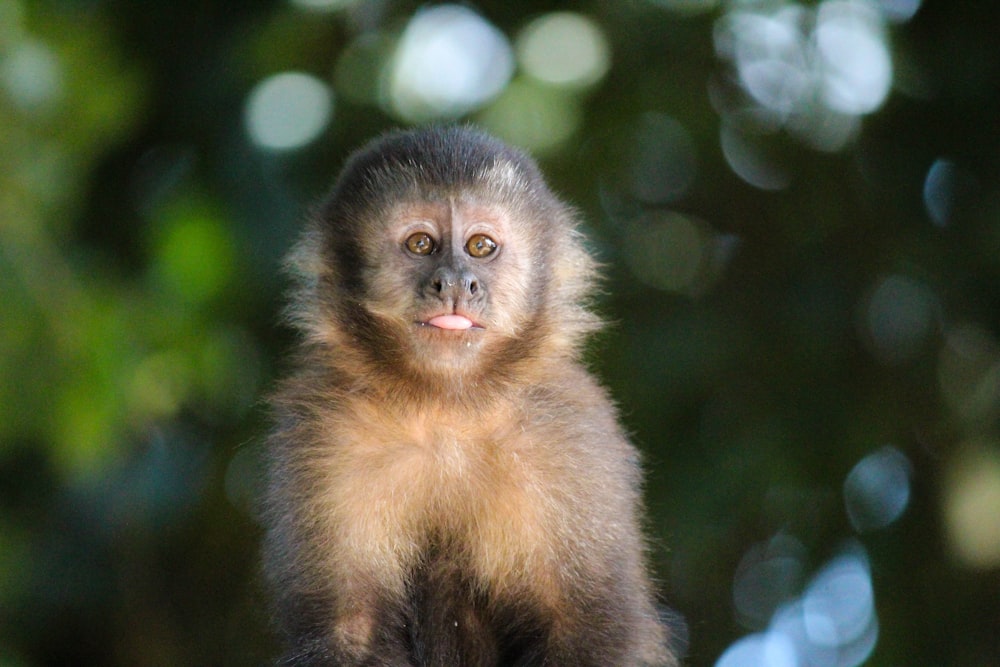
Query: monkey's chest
[
  {"x": 488, "y": 493},
  {"x": 425, "y": 459},
  {"x": 453, "y": 473}
]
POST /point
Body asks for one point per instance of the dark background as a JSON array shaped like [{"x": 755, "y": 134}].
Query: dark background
[{"x": 802, "y": 260}]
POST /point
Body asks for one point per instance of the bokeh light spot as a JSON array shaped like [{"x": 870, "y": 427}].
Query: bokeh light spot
[
  {"x": 32, "y": 75},
  {"x": 532, "y": 116},
  {"x": 324, "y": 5},
  {"x": 855, "y": 64},
  {"x": 663, "y": 163},
  {"x": 810, "y": 70},
  {"x": 288, "y": 110},
  {"x": 948, "y": 187},
  {"x": 877, "y": 489},
  {"x": 969, "y": 373},
  {"x": 749, "y": 159},
  {"x": 769, "y": 52},
  {"x": 769, "y": 574},
  {"x": 899, "y": 11},
  {"x": 898, "y": 315},
  {"x": 667, "y": 251},
  {"x": 938, "y": 189},
  {"x": 159, "y": 384},
  {"x": 194, "y": 258},
  {"x": 564, "y": 49},
  {"x": 839, "y": 604},
  {"x": 832, "y": 623},
  {"x": 972, "y": 505},
  {"x": 771, "y": 649},
  {"x": 449, "y": 61},
  {"x": 360, "y": 70},
  {"x": 85, "y": 419}
]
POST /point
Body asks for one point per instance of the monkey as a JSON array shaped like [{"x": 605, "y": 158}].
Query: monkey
[{"x": 447, "y": 483}]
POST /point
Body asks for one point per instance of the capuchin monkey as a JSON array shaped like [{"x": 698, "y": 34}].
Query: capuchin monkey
[{"x": 448, "y": 485}]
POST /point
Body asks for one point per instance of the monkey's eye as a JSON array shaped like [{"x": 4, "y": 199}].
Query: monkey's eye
[
  {"x": 480, "y": 245},
  {"x": 420, "y": 243}
]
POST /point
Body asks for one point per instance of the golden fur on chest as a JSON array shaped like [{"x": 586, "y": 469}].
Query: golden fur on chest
[{"x": 397, "y": 487}]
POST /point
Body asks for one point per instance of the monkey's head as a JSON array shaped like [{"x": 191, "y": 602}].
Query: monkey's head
[{"x": 441, "y": 252}]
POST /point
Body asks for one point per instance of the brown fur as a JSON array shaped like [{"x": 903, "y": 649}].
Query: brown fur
[{"x": 451, "y": 497}]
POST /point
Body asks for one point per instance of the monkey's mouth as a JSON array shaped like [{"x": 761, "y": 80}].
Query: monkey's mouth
[{"x": 451, "y": 322}]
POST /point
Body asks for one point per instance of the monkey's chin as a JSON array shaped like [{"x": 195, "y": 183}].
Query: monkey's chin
[{"x": 443, "y": 349}]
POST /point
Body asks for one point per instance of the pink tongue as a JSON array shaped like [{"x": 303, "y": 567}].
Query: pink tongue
[{"x": 450, "y": 322}]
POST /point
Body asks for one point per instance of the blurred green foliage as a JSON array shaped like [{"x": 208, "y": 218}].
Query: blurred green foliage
[{"x": 803, "y": 285}]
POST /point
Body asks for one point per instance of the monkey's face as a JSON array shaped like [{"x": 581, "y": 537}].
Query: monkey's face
[{"x": 451, "y": 280}]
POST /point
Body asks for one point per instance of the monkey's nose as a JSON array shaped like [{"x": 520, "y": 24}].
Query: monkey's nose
[
  {"x": 470, "y": 284},
  {"x": 448, "y": 282}
]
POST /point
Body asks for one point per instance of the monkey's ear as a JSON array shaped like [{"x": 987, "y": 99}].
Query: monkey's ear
[
  {"x": 309, "y": 305},
  {"x": 575, "y": 277},
  {"x": 576, "y": 271},
  {"x": 304, "y": 263}
]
